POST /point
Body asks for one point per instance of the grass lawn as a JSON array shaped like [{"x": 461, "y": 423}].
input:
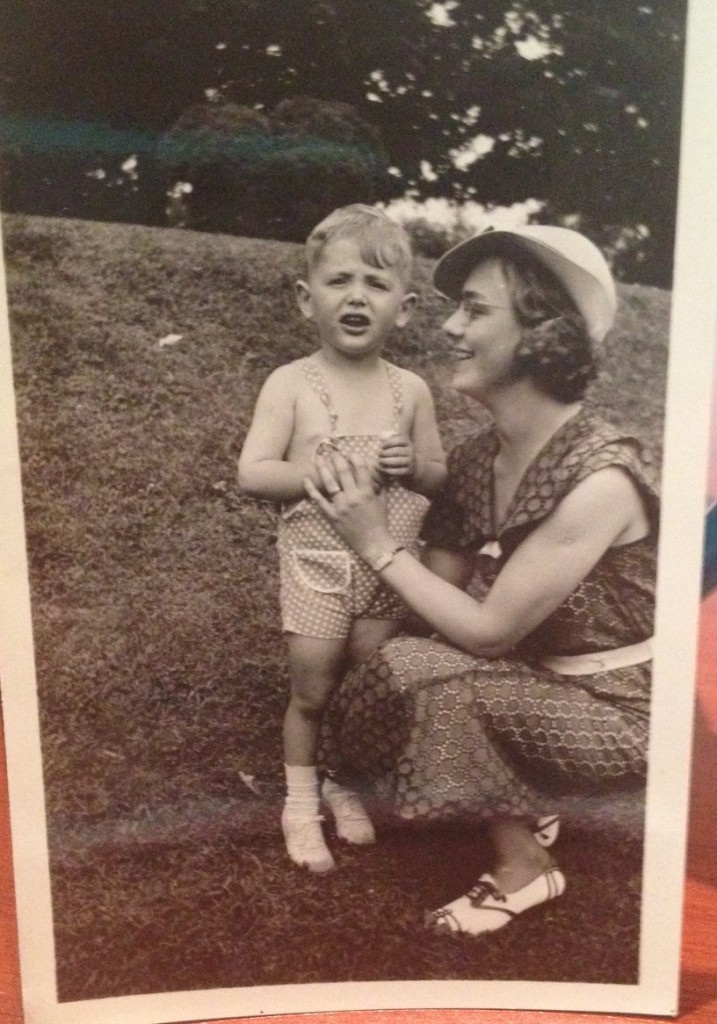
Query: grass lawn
[{"x": 138, "y": 354}]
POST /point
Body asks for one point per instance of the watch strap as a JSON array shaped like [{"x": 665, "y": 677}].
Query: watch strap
[{"x": 386, "y": 558}]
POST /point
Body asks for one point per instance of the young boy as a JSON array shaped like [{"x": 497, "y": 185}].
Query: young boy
[{"x": 344, "y": 397}]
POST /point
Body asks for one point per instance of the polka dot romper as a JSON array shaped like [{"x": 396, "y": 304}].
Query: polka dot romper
[{"x": 324, "y": 586}]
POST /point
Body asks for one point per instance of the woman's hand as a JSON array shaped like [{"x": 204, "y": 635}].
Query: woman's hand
[{"x": 357, "y": 512}]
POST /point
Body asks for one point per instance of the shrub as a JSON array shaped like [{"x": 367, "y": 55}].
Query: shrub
[{"x": 271, "y": 175}]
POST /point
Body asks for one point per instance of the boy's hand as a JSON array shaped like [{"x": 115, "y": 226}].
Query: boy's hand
[{"x": 396, "y": 456}]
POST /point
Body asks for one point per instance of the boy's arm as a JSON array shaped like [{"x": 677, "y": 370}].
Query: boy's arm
[
  {"x": 263, "y": 471},
  {"x": 418, "y": 460},
  {"x": 429, "y": 461}
]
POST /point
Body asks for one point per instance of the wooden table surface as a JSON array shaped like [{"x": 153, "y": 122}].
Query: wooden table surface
[{"x": 698, "y": 1004}]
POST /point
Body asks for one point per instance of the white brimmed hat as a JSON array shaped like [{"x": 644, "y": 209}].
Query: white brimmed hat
[{"x": 576, "y": 262}]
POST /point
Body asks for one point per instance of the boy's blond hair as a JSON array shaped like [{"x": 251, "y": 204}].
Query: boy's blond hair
[{"x": 383, "y": 243}]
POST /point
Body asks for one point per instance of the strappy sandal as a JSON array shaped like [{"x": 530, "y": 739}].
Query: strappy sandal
[
  {"x": 546, "y": 829},
  {"x": 486, "y": 909}
]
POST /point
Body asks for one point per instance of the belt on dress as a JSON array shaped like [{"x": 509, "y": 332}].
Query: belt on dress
[{"x": 599, "y": 661}]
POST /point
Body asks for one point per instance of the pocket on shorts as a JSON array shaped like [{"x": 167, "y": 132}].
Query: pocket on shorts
[{"x": 328, "y": 572}]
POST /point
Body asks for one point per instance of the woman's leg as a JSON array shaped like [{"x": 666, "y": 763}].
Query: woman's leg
[
  {"x": 519, "y": 858},
  {"x": 367, "y": 635},
  {"x": 441, "y": 733}
]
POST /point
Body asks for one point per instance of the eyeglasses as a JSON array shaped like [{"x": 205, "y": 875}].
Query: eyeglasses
[
  {"x": 490, "y": 305},
  {"x": 470, "y": 306}
]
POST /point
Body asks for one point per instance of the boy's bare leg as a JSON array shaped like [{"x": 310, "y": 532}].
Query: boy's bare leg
[
  {"x": 352, "y": 822},
  {"x": 367, "y": 635},
  {"x": 315, "y": 665}
]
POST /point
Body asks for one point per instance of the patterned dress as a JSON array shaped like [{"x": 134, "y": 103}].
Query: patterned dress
[{"x": 437, "y": 732}]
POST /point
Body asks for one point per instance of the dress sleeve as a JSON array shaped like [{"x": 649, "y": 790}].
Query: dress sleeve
[
  {"x": 461, "y": 517},
  {"x": 585, "y": 446},
  {"x": 627, "y": 453}
]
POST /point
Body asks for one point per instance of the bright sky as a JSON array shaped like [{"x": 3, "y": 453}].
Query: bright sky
[
  {"x": 440, "y": 13},
  {"x": 469, "y": 217}
]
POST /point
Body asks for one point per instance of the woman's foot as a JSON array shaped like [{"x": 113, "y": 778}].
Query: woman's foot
[
  {"x": 486, "y": 908},
  {"x": 353, "y": 824},
  {"x": 546, "y": 829},
  {"x": 524, "y": 876},
  {"x": 519, "y": 856},
  {"x": 305, "y": 842}
]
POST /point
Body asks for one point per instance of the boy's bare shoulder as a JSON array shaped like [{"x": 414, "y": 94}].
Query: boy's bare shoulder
[
  {"x": 288, "y": 375},
  {"x": 413, "y": 385}
]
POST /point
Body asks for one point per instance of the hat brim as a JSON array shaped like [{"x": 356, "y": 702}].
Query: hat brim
[{"x": 593, "y": 294}]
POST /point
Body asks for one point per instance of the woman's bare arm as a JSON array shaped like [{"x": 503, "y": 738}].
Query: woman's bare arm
[
  {"x": 456, "y": 567},
  {"x": 602, "y": 510}
]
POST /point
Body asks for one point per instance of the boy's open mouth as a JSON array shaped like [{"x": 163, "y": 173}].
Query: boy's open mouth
[
  {"x": 355, "y": 321},
  {"x": 461, "y": 353}
]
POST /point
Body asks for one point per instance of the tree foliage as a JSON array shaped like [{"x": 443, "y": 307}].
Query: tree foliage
[{"x": 569, "y": 101}]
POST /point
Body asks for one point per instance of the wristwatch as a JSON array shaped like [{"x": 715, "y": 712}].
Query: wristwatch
[{"x": 386, "y": 558}]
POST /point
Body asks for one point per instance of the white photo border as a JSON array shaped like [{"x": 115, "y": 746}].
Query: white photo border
[{"x": 694, "y": 307}]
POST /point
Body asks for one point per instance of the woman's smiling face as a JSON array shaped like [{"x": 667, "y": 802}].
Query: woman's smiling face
[{"x": 483, "y": 332}]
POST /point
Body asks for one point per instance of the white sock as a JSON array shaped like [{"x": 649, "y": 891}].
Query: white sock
[{"x": 302, "y": 790}]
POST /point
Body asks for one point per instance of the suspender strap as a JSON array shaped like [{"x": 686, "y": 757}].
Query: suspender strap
[
  {"x": 318, "y": 385},
  {"x": 394, "y": 382}
]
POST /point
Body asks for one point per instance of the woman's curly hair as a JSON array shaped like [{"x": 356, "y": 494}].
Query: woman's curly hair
[{"x": 555, "y": 350}]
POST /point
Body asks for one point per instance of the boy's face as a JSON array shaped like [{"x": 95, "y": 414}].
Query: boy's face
[{"x": 353, "y": 304}]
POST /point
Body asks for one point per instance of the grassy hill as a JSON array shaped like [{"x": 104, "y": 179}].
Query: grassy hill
[{"x": 138, "y": 354}]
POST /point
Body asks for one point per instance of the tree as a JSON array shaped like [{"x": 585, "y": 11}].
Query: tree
[{"x": 569, "y": 101}]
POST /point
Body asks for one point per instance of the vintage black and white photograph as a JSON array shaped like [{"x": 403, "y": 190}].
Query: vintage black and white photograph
[{"x": 342, "y": 349}]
